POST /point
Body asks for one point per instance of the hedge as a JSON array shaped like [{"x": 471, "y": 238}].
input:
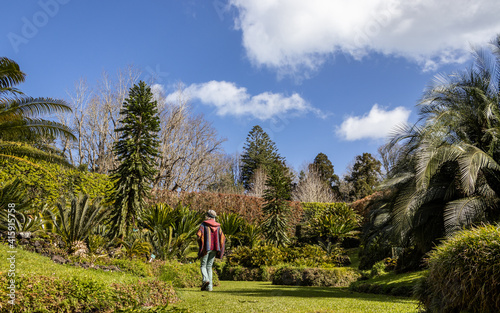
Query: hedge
[
  {"x": 46, "y": 184},
  {"x": 248, "y": 207},
  {"x": 321, "y": 277},
  {"x": 38, "y": 293}
]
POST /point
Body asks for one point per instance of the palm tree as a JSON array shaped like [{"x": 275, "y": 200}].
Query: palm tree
[
  {"x": 20, "y": 124},
  {"x": 448, "y": 175}
]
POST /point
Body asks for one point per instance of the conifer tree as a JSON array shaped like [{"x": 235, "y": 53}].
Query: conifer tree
[
  {"x": 365, "y": 176},
  {"x": 259, "y": 152},
  {"x": 276, "y": 207},
  {"x": 324, "y": 167},
  {"x": 135, "y": 151}
]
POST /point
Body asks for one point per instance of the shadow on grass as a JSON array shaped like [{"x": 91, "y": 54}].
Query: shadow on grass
[{"x": 267, "y": 290}]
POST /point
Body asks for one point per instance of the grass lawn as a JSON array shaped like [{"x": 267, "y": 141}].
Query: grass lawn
[
  {"x": 28, "y": 263},
  {"x": 234, "y": 296}
]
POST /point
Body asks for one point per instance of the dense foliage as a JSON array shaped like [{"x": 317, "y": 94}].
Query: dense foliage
[
  {"x": 45, "y": 182},
  {"x": 444, "y": 173},
  {"x": 464, "y": 273},
  {"x": 36, "y": 293},
  {"x": 321, "y": 277},
  {"x": 364, "y": 176}
]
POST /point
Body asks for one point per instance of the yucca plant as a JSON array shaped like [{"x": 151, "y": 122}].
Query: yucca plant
[{"x": 75, "y": 223}]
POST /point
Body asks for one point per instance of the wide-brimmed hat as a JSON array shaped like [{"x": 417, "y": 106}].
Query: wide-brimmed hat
[{"x": 211, "y": 214}]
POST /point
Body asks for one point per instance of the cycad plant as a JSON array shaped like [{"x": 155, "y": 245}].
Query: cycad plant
[
  {"x": 232, "y": 225},
  {"x": 135, "y": 245},
  {"x": 75, "y": 223},
  {"x": 20, "y": 124},
  {"x": 171, "y": 232}
]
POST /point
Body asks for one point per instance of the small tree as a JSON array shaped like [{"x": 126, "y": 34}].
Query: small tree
[
  {"x": 136, "y": 151},
  {"x": 276, "y": 207}
]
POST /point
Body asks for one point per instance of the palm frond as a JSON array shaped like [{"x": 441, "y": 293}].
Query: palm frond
[
  {"x": 29, "y": 106},
  {"x": 10, "y": 73},
  {"x": 471, "y": 162},
  {"x": 464, "y": 212}
]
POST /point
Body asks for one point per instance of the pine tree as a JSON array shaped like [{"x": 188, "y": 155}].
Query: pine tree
[
  {"x": 259, "y": 152},
  {"x": 276, "y": 207},
  {"x": 135, "y": 150}
]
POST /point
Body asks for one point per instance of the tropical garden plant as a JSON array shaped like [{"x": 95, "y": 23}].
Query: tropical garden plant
[
  {"x": 21, "y": 126},
  {"x": 75, "y": 223},
  {"x": 447, "y": 173}
]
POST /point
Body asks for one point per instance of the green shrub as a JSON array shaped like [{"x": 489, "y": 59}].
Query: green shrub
[
  {"x": 256, "y": 257},
  {"x": 464, "y": 273},
  {"x": 184, "y": 275},
  {"x": 226, "y": 271},
  {"x": 133, "y": 266},
  {"x": 44, "y": 188},
  {"x": 36, "y": 293},
  {"x": 326, "y": 277},
  {"x": 332, "y": 221},
  {"x": 267, "y": 255},
  {"x": 378, "y": 269}
]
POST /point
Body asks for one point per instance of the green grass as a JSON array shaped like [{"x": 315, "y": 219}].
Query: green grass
[
  {"x": 234, "y": 296},
  {"x": 28, "y": 263},
  {"x": 397, "y": 280}
]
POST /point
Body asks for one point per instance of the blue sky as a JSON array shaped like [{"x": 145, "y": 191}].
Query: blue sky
[{"x": 319, "y": 76}]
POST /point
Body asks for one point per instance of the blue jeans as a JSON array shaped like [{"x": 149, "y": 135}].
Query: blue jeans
[{"x": 206, "y": 267}]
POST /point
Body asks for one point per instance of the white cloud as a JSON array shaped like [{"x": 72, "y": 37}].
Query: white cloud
[
  {"x": 377, "y": 124},
  {"x": 293, "y": 35},
  {"x": 229, "y": 99}
]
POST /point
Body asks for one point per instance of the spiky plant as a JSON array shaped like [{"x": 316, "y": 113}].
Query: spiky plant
[
  {"x": 75, "y": 223},
  {"x": 232, "y": 225}
]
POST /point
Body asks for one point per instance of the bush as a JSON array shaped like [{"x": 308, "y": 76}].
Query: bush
[
  {"x": 38, "y": 293},
  {"x": 226, "y": 271},
  {"x": 332, "y": 221},
  {"x": 184, "y": 275},
  {"x": 326, "y": 277},
  {"x": 44, "y": 188},
  {"x": 256, "y": 257},
  {"x": 464, "y": 273},
  {"x": 267, "y": 255}
]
